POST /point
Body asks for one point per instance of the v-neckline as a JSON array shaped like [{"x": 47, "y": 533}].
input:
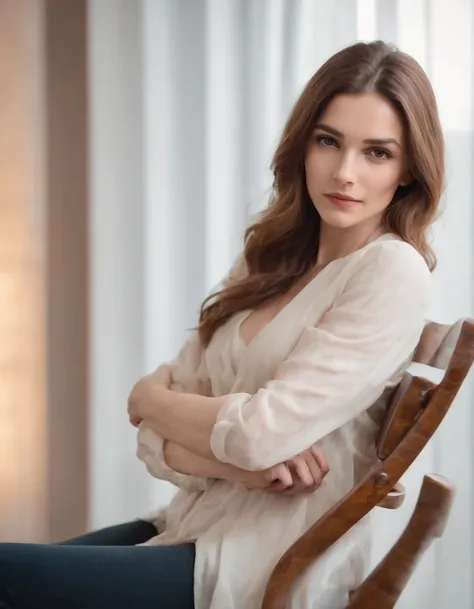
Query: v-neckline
[{"x": 247, "y": 312}]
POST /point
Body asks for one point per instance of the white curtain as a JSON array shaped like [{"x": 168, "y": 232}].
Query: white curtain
[{"x": 187, "y": 100}]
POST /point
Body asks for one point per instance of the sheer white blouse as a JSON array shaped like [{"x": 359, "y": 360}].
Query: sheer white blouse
[{"x": 319, "y": 372}]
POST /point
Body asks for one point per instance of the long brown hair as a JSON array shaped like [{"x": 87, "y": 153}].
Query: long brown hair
[{"x": 283, "y": 243}]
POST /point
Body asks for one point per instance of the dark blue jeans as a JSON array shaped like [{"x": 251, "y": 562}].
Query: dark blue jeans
[{"x": 101, "y": 570}]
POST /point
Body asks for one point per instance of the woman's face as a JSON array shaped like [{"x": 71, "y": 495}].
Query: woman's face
[{"x": 357, "y": 151}]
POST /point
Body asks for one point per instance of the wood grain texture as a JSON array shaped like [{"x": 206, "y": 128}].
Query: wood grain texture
[
  {"x": 405, "y": 407},
  {"x": 385, "y": 473},
  {"x": 383, "y": 587}
]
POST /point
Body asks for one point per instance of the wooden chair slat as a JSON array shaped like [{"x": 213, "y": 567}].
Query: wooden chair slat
[
  {"x": 437, "y": 343},
  {"x": 383, "y": 587},
  {"x": 405, "y": 406}
]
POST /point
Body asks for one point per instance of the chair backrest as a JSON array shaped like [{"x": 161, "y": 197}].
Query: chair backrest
[
  {"x": 435, "y": 349},
  {"x": 415, "y": 411}
]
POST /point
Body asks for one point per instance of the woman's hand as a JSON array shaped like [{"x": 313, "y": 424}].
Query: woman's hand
[
  {"x": 278, "y": 474},
  {"x": 307, "y": 469},
  {"x": 303, "y": 473},
  {"x": 145, "y": 393}
]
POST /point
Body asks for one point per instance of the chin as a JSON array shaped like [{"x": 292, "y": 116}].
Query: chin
[
  {"x": 338, "y": 219},
  {"x": 341, "y": 224}
]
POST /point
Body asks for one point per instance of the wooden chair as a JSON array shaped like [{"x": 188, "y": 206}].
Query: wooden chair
[{"x": 415, "y": 411}]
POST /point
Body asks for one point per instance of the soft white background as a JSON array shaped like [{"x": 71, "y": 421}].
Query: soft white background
[{"x": 188, "y": 98}]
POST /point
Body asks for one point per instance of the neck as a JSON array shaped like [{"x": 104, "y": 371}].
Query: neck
[{"x": 336, "y": 243}]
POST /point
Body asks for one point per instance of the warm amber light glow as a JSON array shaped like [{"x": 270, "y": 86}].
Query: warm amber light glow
[{"x": 22, "y": 344}]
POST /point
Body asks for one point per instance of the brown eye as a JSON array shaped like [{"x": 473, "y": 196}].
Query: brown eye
[
  {"x": 380, "y": 153},
  {"x": 326, "y": 140}
]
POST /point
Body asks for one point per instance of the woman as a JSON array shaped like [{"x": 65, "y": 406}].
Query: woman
[{"x": 290, "y": 367}]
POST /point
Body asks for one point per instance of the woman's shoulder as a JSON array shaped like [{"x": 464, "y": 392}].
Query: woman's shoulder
[
  {"x": 392, "y": 251},
  {"x": 389, "y": 258}
]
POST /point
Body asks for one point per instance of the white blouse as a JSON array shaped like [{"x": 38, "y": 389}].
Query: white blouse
[{"x": 319, "y": 372}]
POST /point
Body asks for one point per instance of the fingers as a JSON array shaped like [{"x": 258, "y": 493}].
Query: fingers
[
  {"x": 292, "y": 477},
  {"x": 315, "y": 469},
  {"x": 305, "y": 470},
  {"x": 142, "y": 392},
  {"x": 283, "y": 474},
  {"x": 278, "y": 478},
  {"x": 303, "y": 478},
  {"x": 310, "y": 467},
  {"x": 135, "y": 420},
  {"x": 303, "y": 473},
  {"x": 320, "y": 459}
]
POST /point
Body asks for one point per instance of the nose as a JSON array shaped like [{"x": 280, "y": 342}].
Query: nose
[{"x": 345, "y": 169}]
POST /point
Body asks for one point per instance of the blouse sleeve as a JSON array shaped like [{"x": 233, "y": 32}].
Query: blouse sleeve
[
  {"x": 189, "y": 374},
  {"x": 337, "y": 369},
  {"x": 150, "y": 451}
]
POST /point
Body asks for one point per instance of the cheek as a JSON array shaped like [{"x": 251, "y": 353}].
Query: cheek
[
  {"x": 384, "y": 181},
  {"x": 315, "y": 166}
]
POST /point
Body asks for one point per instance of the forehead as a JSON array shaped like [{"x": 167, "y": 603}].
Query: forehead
[{"x": 363, "y": 116}]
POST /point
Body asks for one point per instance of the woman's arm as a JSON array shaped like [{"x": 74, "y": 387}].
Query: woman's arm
[
  {"x": 336, "y": 371},
  {"x": 303, "y": 473},
  {"x": 185, "y": 373},
  {"x": 184, "y": 418},
  {"x": 184, "y": 461},
  {"x": 172, "y": 462}
]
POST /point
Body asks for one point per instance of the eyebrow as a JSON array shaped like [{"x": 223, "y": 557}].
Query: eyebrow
[{"x": 372, "y": 141}]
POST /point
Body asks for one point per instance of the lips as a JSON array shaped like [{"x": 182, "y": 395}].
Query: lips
[{"x": 341, "y": 200}]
